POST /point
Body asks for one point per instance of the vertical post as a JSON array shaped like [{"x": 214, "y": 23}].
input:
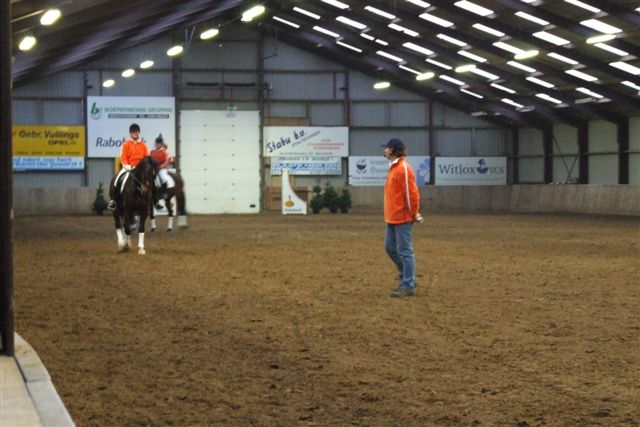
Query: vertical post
[
  {"x": 583, "y": 153},
  {"x": 347, "y": 97},
  {"x": 547, "y": 143},
  {"x": 623, "y": 151},
  {"x": 432, "y": 146},
  {"x": 175, "y": 80},
  {"x": 6, "y": 184},
  {"x": 516, "y": 155},
  {"x": 261, "y": 114}
]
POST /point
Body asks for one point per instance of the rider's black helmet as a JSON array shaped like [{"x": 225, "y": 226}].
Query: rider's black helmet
[
  {"x": 160, "y": 139},
  {"x": 134, "y": 128}
]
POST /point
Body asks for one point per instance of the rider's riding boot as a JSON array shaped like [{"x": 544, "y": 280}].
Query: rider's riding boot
[
  {"x": 111, "y": 205},
  {"x": 163, "y": 191}
]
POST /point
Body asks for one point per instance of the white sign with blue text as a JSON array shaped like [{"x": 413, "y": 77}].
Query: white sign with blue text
[
  {"x": 471, "y": 171},
  {"x": 305, "y": 141},
  {"x": 307, "y": 165},
  {"x": 373, "y": 170}
]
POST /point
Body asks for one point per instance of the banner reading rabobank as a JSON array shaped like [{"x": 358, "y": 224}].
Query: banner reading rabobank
[
  {"x": 306, "y": 141},
  {"x": 471, "y": 171},
  {"x": 109, "y": 118}
]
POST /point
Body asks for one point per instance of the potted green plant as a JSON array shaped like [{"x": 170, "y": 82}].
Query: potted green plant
[
  {"x": 331, "y": 198},
  {"x": 344, "y": 201},
  {"x": 99, "y": 204},
  {"x": 317, "y": 201}
]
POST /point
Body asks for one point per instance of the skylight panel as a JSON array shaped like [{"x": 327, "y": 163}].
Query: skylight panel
[
  {"x": 581, "y": 75},
  {"x": 540, "y": 82},
  {"x": 600, "y": 26},
  {"x": 306, "y": 12},
  {"x": 548, "y": 98},
  {"x": 404, "y": 30},
  {"x": 551, "y": 38},
  {"x": 411, "y": 70},
  {"x": 439, "y": 64},
  {"x": 336, "y": 3},
  {"x": 348, "y": 46},
  {"x": 417, "y": 48},
  {"x": 451, "y": 80},
  {"x": 380, "y": 12},
  {"x": 562, "y": 58},
  {"x": 522, "y": 66},
  {"x": 589, "y": 92},
  {"x": 468, "y": 92},
  {"x": 508, "y": 47},
  {"x": 485, "y": 74},
  {"x": 473, "y": 56},
  {"x": 439, "y": 21},
  {"x": 389, "y": 56},
  {"x": 627, "y": 82},
  {"x": 419, "y": 3},
  {"x": 351, "y": 22},
  {"x": 451, "y": 40},
  {"x": 503, "y": 88},
  {"x": 284, "y": 21},
  {"x": 625, "y": 66},
  {"x": 325, "y": 31},
  {"x": 510, "y": 102},
  {"x": 611, "y": 49},
  {"x": 583, "y": 5},
  {"x": 488, "y": 30},
  {"x": 474, "y": 8},
  {"x": 528, "y": 17}
]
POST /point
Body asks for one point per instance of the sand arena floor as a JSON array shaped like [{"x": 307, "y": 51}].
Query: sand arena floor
[{"x": 286, "y": 321}]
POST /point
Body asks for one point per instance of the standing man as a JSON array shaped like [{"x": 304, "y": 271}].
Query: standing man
[
  {"x": 132, "y": 151},
  {"x": 401, "y": 209}
]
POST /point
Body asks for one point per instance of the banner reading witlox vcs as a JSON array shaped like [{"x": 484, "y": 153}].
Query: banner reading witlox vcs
[
  {"x": 471, "y": 171},
  {"x": 109, "y": 118}
]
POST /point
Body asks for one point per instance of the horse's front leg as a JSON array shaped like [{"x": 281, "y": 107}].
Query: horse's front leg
[
  {"x": 128, "y": 222},
  {"x": 152, "y": 218},
  {"x": 119, "y": 231},
  {"x": 143, "y": 218}
]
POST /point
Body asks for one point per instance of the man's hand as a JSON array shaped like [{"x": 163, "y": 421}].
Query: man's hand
[
  {"x": 419, "y": 218},
  {"x": 127, "y": 167}
]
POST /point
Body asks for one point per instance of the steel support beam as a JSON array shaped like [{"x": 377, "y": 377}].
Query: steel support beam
[
  {"x": 583, "y": 154},
  {"x": 547, "y": 144},
  {"x": 623, "y": 151},
  {"x": 516, "y": 154}
]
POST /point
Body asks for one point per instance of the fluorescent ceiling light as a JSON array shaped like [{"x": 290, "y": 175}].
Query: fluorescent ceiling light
[
  {"x": 252, "y": 13},
  {"x": 284, "y": 21},
  {"x": 611, "y": 49},
  {"x": 510, "y": 102},
  {"x": 526, "y": 54},
  {"x": 382, "y": 42},
  {"x": 527, "y": 1},
  {"x": 337, "y": 4},
  {"x": 306, "y": 12},
  {"x": 351, "y": 22},
  {"x": 601, "y": 26},
  {"x": 548, "y": 98},
  {"x": 583, "y": 5},
  {"x": 348, "y": 46},
  {"x": 325, "y": 31},
  {"x": 50, "y": 16},
  {"x": 417, "y": 48},
  {"x": 625, "y": 66},
  {"x": 425, "y": 76},
  {"x": 380, "y": 12},
  {"x": 390, "y": 56},
  {"x": 411, "y": 70},
  {"x": 367, "y": 36},
  {"x": 146, "y": 64},
  {"x": 475, "y": 8},
  {"x": 562, "y": 58},
  {"x": 451, "y": 40},
  {"x": 473, "y": 56},
  {"x": 503, "y": 88},
  {"x": 581, "y": 75},
  {"x": 485, "y": 74},
  {"x": 439, "y": 64},
  {"x": 631, "y": 84},
  {"x": 600, "y": 39},
  {"x": 419, "y": 3},
  {"x": 439, "y": 21},
  {"x": 551, "y": 38},
  {"x": 108, "y": 83},
  {"x": 175, "y": 50},
  {"x": 589, "y": 92},
  {"x": 488, "y": 30},
  {"x": 381, "y": 85},
  {"x": 465, "y": 68},
  {"x": 451, "y": 80},
  {"x": 521, "y": 66},
  {"x": 128, "y": 72},
  {"x": 540, "y": 82},
  {"x": 404, "y": 30},
  {"x": 508, "y": 47},
  {"x": 525, "y": 15},
  {"x": 212, "y": 32},
  {"x": 468, "y": 92},
  {"x": 27, "y": 43}
]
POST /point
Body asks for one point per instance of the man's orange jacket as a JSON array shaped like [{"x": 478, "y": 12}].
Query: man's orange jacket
[
  {"x": 132, "y": 152},
  {"x": 401, "y": 193}
]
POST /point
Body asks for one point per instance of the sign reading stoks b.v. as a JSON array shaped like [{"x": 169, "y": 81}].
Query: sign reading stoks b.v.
[{"x": 48, "y": 147}]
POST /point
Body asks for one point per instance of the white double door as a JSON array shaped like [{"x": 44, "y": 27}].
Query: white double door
[{"x": 220, "y": 161}]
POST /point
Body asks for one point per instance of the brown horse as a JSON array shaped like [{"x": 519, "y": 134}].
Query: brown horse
[
  {"x": 136, "y": 196},
  {"x": 176, "y": 191}
]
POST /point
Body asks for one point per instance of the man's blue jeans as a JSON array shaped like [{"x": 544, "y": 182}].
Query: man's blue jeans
[{"x": 398, "y": 242}]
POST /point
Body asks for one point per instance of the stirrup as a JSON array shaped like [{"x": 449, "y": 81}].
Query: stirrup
[{"x": 111, "y": 205}]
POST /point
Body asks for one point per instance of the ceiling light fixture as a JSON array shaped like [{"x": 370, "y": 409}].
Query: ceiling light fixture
[
  {"x": 390, "y": 56},
  {"x": 175, "y": 50},
  {"x": 562, "y": 58},
  {"x": 417, "y": 48},
  {"x": 209, "y": 34},
  {"x": 451, "y": 40},
  {"x": 381, "y": 85},
  {"x": 583, "y": 5},
  {"x": 472, "y": 56},
  {"x": 488, "y": 30},
  {"x": 306, "y": 12},
  {"x": 528, "y": 17},
  {"x": 439, "y": 64},
  {"x": 600, "y": 26},
  {"x": 380, "y": 12},
  {"x": 510, "y": 102},
  {"x": 581, "y": 75},
  {"x": 348, "y": 46},
  {"x": 336, "y": 3},
  {"x": 611, "y": 49},
  {"x": 503, "y": 88},
  {"x": 146, "y": 64},
  {"x": 284, "y": 21},
  {"x": 439, "y": 21},
  {"x": 526, "y": 54},
  {"x": 548, "y": 98},
  {"x": 625, "y": 66},
  {"x": 252, "y": 13},
  {"x": 451, "y": 80},
  {"x": 551, "y": 38},
  {"x": 474, "y": 8},
  {"x": 465, "y": 68},
  {"x": 425, "y": 76},
  {"x": 540, "y": 82},
  {"x": 631, "y": 84},
  {"x": 600, "y": 39},
  {"x": 128, "y": 72},
  {"x": 421, "y": 3},
  {"x": 351, "y": 22},
  {"x": 27, "y": 43},
  {"x": 485, "y": 74},
  {"x": 468, "y": 92},
  {"x": 108, "y": 83},
  {"x": 50, "y": 16},
  {"x": 589, "y": 92},
  {"x": 404, "y": 30},
  {"x": 325, "y": 31},
  {"x": 508, "y": 47},
  {"x": 521, "y": 66},
  {"x": 411, "y": 70}
]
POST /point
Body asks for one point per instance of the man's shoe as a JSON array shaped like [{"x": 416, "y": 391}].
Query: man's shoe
[
  {"x": 403, "y": 292},
  {"x": 111, "y": 205}
]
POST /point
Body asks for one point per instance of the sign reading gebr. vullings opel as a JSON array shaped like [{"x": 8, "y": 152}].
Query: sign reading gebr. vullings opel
[
  {"x": 306, "y": 141},
  {"x": 109, "y": 118},
  {"x": 471, "y": 171},
  {"x": 48, "y": 147}
]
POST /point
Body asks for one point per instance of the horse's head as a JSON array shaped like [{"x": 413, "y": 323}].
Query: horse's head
[{"x": 147, "y": 169}]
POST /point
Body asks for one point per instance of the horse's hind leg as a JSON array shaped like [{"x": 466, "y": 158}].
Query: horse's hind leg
[
  {"x": 182, "y": 211},
  {"x": 169, "y": 215},
  {"x": 152, "y": 218}
]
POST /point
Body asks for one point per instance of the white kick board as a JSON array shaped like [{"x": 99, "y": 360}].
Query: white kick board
[{"x": 220, "y": 161}]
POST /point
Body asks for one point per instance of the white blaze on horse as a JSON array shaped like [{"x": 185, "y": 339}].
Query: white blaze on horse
[{"x": 134, "y": 196}]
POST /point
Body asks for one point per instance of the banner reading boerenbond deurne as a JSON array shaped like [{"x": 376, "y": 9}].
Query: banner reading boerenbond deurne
[
  {"x": 48, "y": 147},
  {"x": 109, "y": 118}
]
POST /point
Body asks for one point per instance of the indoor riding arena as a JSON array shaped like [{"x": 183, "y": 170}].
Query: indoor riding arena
[{"x": 266, "y": 296}]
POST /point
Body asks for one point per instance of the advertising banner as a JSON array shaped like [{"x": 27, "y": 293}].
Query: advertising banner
[
  {"x": 471, "y": 171},
  {"x": 372, "y": 170},
  {"x": 109, "y": 118},
  {"x": 307, "y": 165},
  {"x": 291, "y": 203},
  {"x": 305, "y": 141},
  {"x": 48, "y": 147}
]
